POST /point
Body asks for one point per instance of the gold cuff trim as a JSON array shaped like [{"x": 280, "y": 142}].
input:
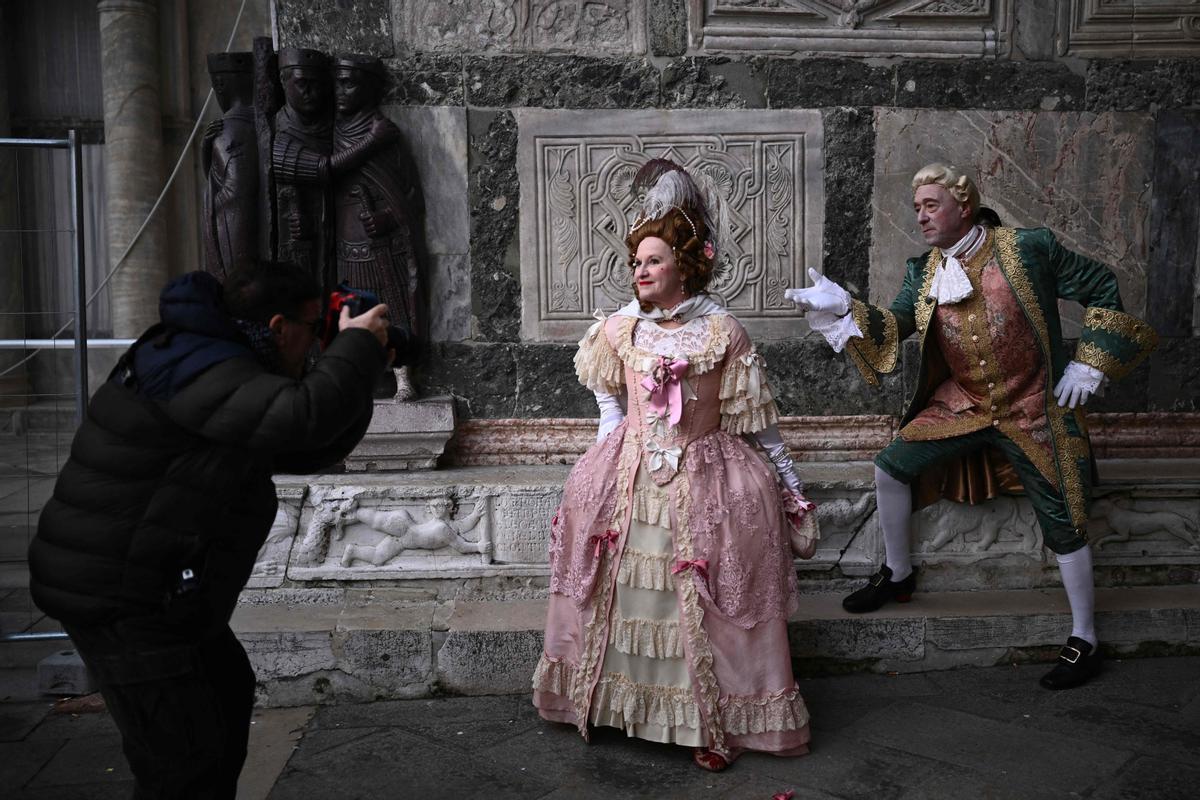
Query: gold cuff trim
[{"x": 1121, "y": 324}]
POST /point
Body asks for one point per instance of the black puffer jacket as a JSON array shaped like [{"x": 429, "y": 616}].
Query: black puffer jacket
[{"x": 172, "y": 468}]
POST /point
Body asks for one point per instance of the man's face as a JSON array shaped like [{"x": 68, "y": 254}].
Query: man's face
[
  {"x": 306, "y": 91},
  {"x": 942, "y": 219},
  {"x": 295, "y": 337},
  {"x": 354, "y": 91}
]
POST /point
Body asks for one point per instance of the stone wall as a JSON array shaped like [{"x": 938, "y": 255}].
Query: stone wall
[{"x": 1078, "y": 115}]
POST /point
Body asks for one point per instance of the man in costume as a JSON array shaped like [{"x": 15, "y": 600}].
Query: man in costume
[
  {"x": 997, "y": 398},
  {"x": 230, "y": 157},
  {"x": 377, "y": 205}
]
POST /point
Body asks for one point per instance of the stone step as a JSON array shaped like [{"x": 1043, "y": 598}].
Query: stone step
[{"x": 377, "y": 643}]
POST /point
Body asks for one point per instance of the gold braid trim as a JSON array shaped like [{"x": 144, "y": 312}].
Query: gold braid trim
[
  {"x": 693, "y": 620},
  {"x": 781, "y": 711},
  {"x": 923, "y": 305},
  {"x": 1069, "y": 483},
  {"x": 1094, "y": 356},
  {"x": 1122, "y": 324},
  {"x": 881, "y": 357}
]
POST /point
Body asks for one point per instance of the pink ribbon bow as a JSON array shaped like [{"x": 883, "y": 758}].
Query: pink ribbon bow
[
  {"x": 666, "y": 393},
  {"x": 700, "y": 565},
  {"x": 609, "y": 536},
  {"x": 788, "y": 795}
]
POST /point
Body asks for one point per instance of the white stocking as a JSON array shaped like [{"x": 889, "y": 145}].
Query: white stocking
[
  {"x": 894, "y": 501},
  {"x": 1080, "y": 584}
]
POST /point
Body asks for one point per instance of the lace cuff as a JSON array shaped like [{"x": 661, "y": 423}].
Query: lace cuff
[
  {"x": 747, "y": 404},
  {"x": 597, "y": 364},
  {"x": 836, "y": 330}
]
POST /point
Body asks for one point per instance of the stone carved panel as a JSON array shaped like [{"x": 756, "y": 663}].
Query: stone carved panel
[
  {"x": 1130, "y": 28},
  {"x": 1083, "y": 175},
  {"x": 357, "y": 532},
  {"x": 849, "y": 533},
  {"x": 271, "y": 563},
  {"x": 957, "y": 532},
  {"x": 522, "y": 26},
  {"x": 576, "y": 168},
  {"x": 1163, "y": 527},
  {"x": 913, "y": 28},
  {"x": 521, "y": 527}
]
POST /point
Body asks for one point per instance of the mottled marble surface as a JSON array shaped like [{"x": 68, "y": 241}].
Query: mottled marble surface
[{"x": 1084, "y": 175}]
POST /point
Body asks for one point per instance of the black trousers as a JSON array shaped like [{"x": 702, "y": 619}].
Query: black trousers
[{"x": 183, "y": 708}]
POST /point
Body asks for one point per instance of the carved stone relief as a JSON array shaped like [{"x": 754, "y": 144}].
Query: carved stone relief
[
  {"x": 1156, "y": 527},
  {"x": 524, "y": 26},
  {"x": 1130, "y": 28},
  {"x": 849, "y": 533},
  {"x": 272, "y": 559},
  {"x": 576, "y": 170},
  {"x": 957, "y": 532},
  {"x": 521, "y": 526},
  {"x": 914, "y": 28}
]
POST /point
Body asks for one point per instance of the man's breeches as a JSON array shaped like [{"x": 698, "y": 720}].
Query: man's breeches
[
  {"x": 183, "y": 710},
  {"x": 905, "y": 461}
]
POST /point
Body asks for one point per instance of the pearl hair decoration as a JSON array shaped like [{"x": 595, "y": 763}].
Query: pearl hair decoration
[{"x": 639, "y": 221}]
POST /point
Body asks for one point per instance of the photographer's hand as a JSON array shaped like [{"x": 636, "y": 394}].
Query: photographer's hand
[{"x": 374, "y": 320}]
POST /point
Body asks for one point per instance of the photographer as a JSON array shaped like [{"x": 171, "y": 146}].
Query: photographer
[{"x": 158, "y": 515}]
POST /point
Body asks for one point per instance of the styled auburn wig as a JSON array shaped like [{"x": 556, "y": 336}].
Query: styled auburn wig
[{"x": 687, "y": 244}]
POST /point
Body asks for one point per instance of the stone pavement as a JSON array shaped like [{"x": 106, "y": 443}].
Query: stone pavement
[{"x": 978, "y": 733}]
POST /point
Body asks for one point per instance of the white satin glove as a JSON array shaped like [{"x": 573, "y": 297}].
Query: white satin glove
[
  {"x": 1078, "y": 383},
  {"x": 612, "y": 412},
  {"x": 772, "y": 444},
  {"x": 823, "y": 295}
]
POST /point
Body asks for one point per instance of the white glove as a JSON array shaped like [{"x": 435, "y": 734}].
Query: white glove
[
  {"x": 823, "y": 295},
  {"x": 772, "y": 444},
  {"x": 612, "y": 412},
  {"x": 1079, "y": 382}
]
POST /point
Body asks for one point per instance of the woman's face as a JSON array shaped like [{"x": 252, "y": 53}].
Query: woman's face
[{"x": 654, "y": 273}]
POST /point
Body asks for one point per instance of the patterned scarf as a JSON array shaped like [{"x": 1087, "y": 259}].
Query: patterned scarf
[{"x": 262, "y": 342}]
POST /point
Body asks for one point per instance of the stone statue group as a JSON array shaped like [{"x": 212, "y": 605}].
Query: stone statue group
[{"x": 304, "y": 169}]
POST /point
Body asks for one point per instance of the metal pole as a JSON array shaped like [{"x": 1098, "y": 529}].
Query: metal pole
[{"x": 81, "y": 362}]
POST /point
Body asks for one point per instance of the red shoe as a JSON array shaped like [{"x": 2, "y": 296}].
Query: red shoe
[{"x": 709, "y": 759}]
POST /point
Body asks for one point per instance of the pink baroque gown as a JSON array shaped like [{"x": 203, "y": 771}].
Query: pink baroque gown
[{"x": 671, "y": 569}]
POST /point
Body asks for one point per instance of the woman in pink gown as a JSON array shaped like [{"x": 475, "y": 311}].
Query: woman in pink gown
[{"x": 671, "y": 555}]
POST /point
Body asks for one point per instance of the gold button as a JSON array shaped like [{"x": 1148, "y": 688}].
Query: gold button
[
  {"x": 991, "y": 386},
  {"x": 974, "y": 338},
  {"x": 993, "y": 408},
  {"x": 982, "y": 363},
  {"x": 920, "y": 329},
  {"x": 970, "y": 317},
  {"x": 995, "y": 422}
]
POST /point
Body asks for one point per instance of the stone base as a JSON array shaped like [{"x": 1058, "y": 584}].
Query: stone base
[
  {"x": 385, "y": 643},
  {"x": 64, "y": 673},
  {"x": 404, "y": 436}
]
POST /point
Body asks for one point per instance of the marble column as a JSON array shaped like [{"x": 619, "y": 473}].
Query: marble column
[
  {"x": 14, "y": 386},
  {"x": 133, "y": 160}
]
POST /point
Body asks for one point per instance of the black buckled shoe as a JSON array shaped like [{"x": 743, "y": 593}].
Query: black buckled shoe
[
  {"x": 1078, "y": 662},
  {"x": 879, "y": 590}
]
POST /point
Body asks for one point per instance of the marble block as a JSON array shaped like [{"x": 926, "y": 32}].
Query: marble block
[
  {"x": 576, "y": 170},
  {"x": 404, "y": 436},
  {"x": 1085, "y": 176}
]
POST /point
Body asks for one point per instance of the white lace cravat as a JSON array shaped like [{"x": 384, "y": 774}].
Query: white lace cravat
[{"x": 950, "y": 282}]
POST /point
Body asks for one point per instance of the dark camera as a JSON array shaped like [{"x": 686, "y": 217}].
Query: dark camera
[{"x": 399, "y": 337}]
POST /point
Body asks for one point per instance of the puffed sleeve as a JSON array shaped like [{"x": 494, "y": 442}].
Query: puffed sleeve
[
  {"x": 597, "y": 362},
  {"x": 747, "y": 405}
]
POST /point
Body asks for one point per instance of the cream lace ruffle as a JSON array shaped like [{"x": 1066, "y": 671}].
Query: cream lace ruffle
[
  {"x": 646, "y": 637},
  {"x": 780, "y": 712},
  {"x": 638, "y": 703},
  {"x": 553, "y": 676},
  {"x": 652, "y": 506},
  {"x": 642, "y": 570},
  {"x": 597, "y": 364},
  {"x": 698, "y": 363},
  {"x": 747, "y": 404}
]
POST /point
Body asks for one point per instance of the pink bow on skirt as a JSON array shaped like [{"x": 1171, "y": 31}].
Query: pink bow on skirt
[{"x": 700, "y": 565}]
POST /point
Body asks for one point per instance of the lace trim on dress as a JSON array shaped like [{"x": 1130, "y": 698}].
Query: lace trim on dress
[
  {"x": 553, "y": 675},
  {"x": 693, "y": 622},
  {"x": 646, "y": 637},
  {"x": 717, "y": 340},
  {"x": 638, "y": 703},
  {"x": 642, "y": 570},
  {"x": 747, "y": 404},
  {"x": 597, "y": 364},
  {"x": 652, "y": 506},
  {"x": 784, "y": 711}
]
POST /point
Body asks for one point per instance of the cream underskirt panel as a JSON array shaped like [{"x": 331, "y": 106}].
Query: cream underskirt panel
[{"x": 647, "y": 696}]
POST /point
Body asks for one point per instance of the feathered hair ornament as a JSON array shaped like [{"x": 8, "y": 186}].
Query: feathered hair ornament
[{"x": 662, "y": 185}]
